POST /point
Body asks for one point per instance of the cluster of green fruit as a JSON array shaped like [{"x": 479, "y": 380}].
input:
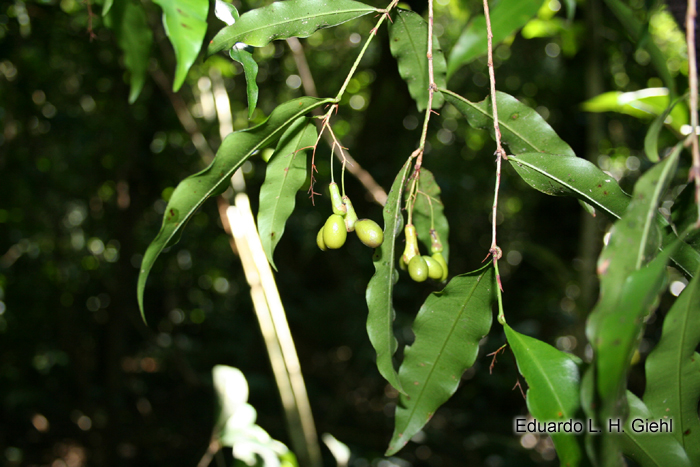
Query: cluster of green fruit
[
  {"x": 343, "y": 220},
  {"x": 422, "y": 267}
]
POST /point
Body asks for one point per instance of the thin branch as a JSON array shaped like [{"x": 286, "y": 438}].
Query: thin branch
[
  {"x": 355, "y": 169},
  {"x": 693, "y": 84}
]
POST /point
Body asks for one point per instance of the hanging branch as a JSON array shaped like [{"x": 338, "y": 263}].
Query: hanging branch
[{"x": 693, "y": 84}]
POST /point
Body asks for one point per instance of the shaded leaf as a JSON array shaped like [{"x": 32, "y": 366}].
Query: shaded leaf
[
  {"x": 651, "y": 140},
  {"x": 250, "y": 69},
  {"x": 286, "y": 173},
  {"x": 558, "y": 175},
  {"x": 185, "y": 23},
  {"x": 128, "y": 19},
  {"x": 650, "y": 449},
  {"x": 290, "y": 18},
  {"x": 522, "y": 128},
  {"x": 507, "y": 17},
  {"x": 380, "y": 290},
  {"x": 644, "y": 104},
  {"x": 448, "y": 329},
  {"x": 408, "y": 41},
  {"x": 429, "y": 206},
  {"x": 673, "y": 371},
  {"x": 195, "y": 189},
  {"x": 553, "y": 383}
]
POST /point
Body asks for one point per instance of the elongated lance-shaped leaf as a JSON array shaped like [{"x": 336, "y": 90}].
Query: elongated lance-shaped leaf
[
  {"x": 185, "y": 23},
  {"x": 651, "y": 140},
  {"x": 522, "y": 128},
  {"x": 448, "y": 329},
  {"x": 558, "y": 175},
  {"x": 650, "y": 449},
  {"x": 290, "y": 18},
  {"x": 553, "y": 382},
  {"x": 408, "y": 42},
  {"x": 507, "y": 17},
  {"x": 250, "y": 69},
  {"x": 429, "y": 206},
  {"x": 191, "y": 193},
  {"x": 286, "y": 173},
  {"x": 128, "y": 19},
  {"x": 673, "y": 371},
  {"x": 380, "y": 290}
]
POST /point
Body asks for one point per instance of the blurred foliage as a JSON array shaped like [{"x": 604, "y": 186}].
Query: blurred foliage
[{"x": 86, "y": 177}]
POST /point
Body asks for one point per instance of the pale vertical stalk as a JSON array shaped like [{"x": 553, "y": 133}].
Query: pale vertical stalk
[{"x": 690, "y": 16}]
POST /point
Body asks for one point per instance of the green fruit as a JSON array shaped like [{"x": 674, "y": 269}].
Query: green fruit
[
  {"x": 351, "y": 216},
  {"x": 435, "y": 243},
  {"x": 319, "y": 240},
  {"x": 369, "y": 232},
  {"x": 434, "y": 268},
  {"x": 336, "y": 199},
  {"x": 334, "y": 233},
  {"x": 441, "y": 260},
  {"x": 418, "y": 269},
  {"x": 411, "y": 248}
]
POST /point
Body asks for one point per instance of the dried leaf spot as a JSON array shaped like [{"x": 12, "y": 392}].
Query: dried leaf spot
[
  {"x": 515, "y": 116},
  {"x": 559, "y": 414},
  {"x": 416, "y": 383},
  {"x": 686, "y": 432}
]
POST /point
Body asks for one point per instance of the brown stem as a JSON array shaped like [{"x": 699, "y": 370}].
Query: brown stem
[{"x": 693, "y": 84}]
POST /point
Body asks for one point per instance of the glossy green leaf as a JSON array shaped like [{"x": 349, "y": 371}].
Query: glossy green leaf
[
  {"x": 522, "y": 128},
  {"x": 408, "y": 42},
  {"x": 286, "y": 173},
  {"x": 644, "y": 104},
  {"x": 448, "y": 329},
  {"x": 673, "y": 371},
  {"x": 651, "y": 140},
  {"x": 635, "y": 29},
  {"x": 128, "y": 20},
  {"x": 380, "y": 290},
  {"x": 185, "y": 23},
  {"x": 507, "y": 17},
  {"x": 571, "y": 176},
  {"x": 250, "y": 69},
  {"x": 226, "y": 12},
  {"x": 650, "y": 449},
  {"x": 106, "y": 6},
  {"x": 195, "y": 189},
  {"x": 429, "y": 206},
  {"x": 553, "y": 383},
  {"x": 290, "y": 18}
]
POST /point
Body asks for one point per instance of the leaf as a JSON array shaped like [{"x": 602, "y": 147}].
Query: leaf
[
  {"x": 448, "y": 329},
  {"x": 128, "y": 19},
  {"x": 650, "y": 449},
  {"x": 286, "y": 173},
  {"x": 429, "y": 205},
  {"x": 523, "y": 129},
  {"x": 380, "y": 290},
  {"x": 507, "y": 17},
  {"x": 408, "y": 42},
  {"x": 290, "y": 18},
  {"x": 673, "y": 371},
  {"x": 643, "y": 104},
  {"x": 185, "y": 23},
  {"x": 106, "y": 6},
  {"x": 226, "y": 12},
  {"x": 191, "y": 193},
  {"x": 553, "y": 388},
  {"x": 571, "y": 176},
  {"x": 250, "y": 69},
  {"x": 651, "y": 140}
]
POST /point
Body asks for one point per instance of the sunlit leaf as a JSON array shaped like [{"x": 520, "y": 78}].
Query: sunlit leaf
[
  {"x": 250, "y": 69},
  {"x": 290, "y": 18},
  {"x": 651, "y": 140},
  {"x": 650, "y": 449},
  {"x": 522, "y": 128},
  {"x": 553, "y": 382},
  {"x": 673, "y": 371},
  {"x": 507, "y": 17},
  {"x": 380, "y": 290},
  {"x": 558, "y": 175},
  {"x": 286, "y": 173},
  {"x": 448, "y": 329},
  {"x": 128, "y": 19},
  {"x": 195, "y": 189},
  {"x": 408, "y": 41},
  {"x": 429, "y": 206},
  {"x": 185, "y": 23},
  {"x": 226, "y": 12}
]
